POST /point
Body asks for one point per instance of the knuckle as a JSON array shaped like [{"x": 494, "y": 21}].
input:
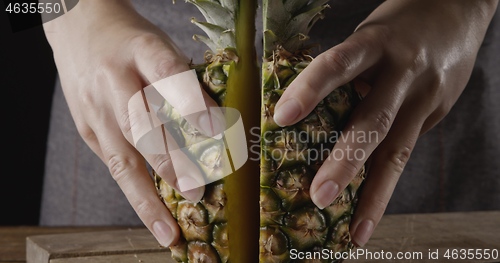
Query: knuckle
[
  {"x": 145, "y": 40},
  {"x": 379, "y": 205},
  {"x": 436, "y": 89},
  {"x": 338, "y": 61},
  {"x": 350, "y": 170},
  {"x": 311, "y": 85},
  {"x": 163, "y": 166},
  {"x": 376, "y": 33},
  {"x": 410, "y": 58},
  {"x": 119, "y": 166},
  {"x": 168, "y": 65},
  {"x": 382, "y": 122},
  {"x": 443, "y": 109},
  {"x": 399, "y": 158},
  {"x": 85, "y": 132},
  {"x": 417, "y": 61},
  {"x": 379, "y": 122},
  {"x": 124, "y": 122},
  {"x": 154, "y": 47},
  {"x": 436, "y": 83},
  {"x": 106, "y": 66},
  {"x": 87, "y": 98},
  {"x": 144, "y": 207},
  {"x": 107, "y": 63},
  {"x": 381, "y": 34}
]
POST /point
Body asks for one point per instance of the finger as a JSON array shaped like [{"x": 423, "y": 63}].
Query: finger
[
  {"x": 182, "y": 172},
  {"x": 164, "y": 67},
  {"x": 80, "y": 117},
  {"x": 387, "y": 164},
  {"x": 434, "y": 118},
  {"x": 368, "y": 125},
  {"x": 90, "y": 139},
  {"x": 136, "y": 123},
  {"x": 326, "y": 72},
  {"x": 129, "y": 170}
]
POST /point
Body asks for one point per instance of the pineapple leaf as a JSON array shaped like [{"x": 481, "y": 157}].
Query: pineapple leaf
[
  {"x": 214, "y": 13},
  {"x": 211, "y": 44},
  {"x": 302, "y": 23},
  {"x": 212, "y": 31},
  {"x": 230, "y": 4},
  {"x": 292, "y": 6},
  {"x": 314, "y": 4},
  {"x": 219, "y": 36},
  {"x": 273, "y": 21},
  {"x": 270, "y": 43},
  {"x": 288, "y": 22}
]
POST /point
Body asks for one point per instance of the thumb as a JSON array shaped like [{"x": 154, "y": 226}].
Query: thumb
[
  {"x": 167, "y": 69},
  {"x": 326, "y": 72}
]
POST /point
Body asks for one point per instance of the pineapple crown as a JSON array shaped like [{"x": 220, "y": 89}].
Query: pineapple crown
[
  {"x": 288, "y": 23},
  {"x": 219, "y": 23}
]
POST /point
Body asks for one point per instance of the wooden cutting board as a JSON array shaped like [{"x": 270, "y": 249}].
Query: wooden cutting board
[
  {"x": 131, "y": 245},
  {"x": 416, "y": 235}
]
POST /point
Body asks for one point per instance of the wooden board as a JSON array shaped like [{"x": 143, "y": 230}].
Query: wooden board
[
  {"x": 127, "y": 258},
  {"x": 108, "y": 246},
  {"x": 13, "y": 238},
  {"x": 421, "y": 234},
  {"x": 417, "y": 234}
]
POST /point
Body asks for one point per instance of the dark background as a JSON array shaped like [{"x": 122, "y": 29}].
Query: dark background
[{"x": 27, "y": 75}]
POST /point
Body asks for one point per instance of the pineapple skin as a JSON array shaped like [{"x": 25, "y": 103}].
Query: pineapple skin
[
  {"x": 290, "y": 156},
  {"x": 204, "y": 225},
  {"x": 289, "y": 220},
  {"x": 230, "y": 76}
]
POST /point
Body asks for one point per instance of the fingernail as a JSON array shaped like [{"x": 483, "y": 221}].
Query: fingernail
[
  {"x": 363, "y": 232},
  {"x": 163, "y": 233},
  {"x": 325, "y": 194},
  {"x": 190, "y": 188},
  {"x": 210, "y": 124},
  {"x": 287, "y": 112}
]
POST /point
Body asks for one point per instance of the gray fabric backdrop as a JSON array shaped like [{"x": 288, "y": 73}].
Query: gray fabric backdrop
[{"x": 454, "y": 167}]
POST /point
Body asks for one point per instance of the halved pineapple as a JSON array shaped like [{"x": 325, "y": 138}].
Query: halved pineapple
[{"x": 224, "y": 225}]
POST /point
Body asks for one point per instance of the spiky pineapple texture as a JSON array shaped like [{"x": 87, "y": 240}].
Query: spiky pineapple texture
[
  {"x": 219, "y": 27},
  {"x": 291, "y": 156},
  {"x": 288, "y": 218},
  {"x": 204, "y": 224},
  {"x": 220, "y": 23},
  {"x": 287, "y": 23}
]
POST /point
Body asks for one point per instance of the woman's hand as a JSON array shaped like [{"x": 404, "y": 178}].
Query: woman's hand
[
  {"x": 105, "y": 53},
  {"x": 417, "y": 55}
]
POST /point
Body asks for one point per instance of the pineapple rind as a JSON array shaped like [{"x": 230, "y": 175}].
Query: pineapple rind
[
  {"x": 204, "y": 231},
  {"x": 290, "y": 156},
  {"x": 289, "y": 219}
]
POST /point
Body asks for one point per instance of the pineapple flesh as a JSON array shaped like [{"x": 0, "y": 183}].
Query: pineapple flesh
[{"x": 224, "y": 225}]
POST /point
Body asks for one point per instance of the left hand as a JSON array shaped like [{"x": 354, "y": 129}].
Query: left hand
[{"x": 417, "y": 55}]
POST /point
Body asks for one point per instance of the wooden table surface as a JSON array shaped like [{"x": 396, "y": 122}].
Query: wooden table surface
[{"x": 417, "y": 236}]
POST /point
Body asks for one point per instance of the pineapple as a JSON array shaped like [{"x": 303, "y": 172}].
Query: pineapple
[
  {"x": 224, "y": 225},
  {"x": 291, "y": 156},
  {"x": 230, "y": 75}
]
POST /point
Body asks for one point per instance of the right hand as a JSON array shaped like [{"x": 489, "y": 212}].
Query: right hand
[{"x": 105, "y": 52}]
